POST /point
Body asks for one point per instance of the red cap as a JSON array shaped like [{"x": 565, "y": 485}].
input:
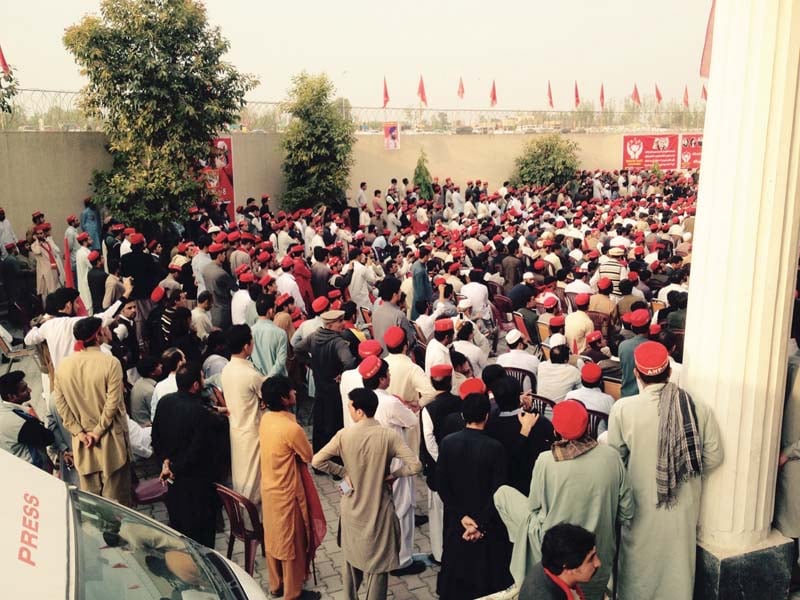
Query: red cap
[
  {"x": 640, "y": 317},
  {"x": 263, "y": 257},
  {"x": 654, "y": 265},
  {"x": 265, "y": 280},
  {"x": 440, "y": 371},
  {"x": 320, "y": 305},
  {"x": 247, "y": 277},
  {"x": 157, "y": 295},
  {"x": 570, "y": 419},
  {"x": 370, "y": 366},
  {"x": 334, "y": 294},
  {"x": 454, "y": 268},
  {"x": 117, "y": 227},
  {"x": 394, "y": 337},
  {"x": 37, "y": 213},
  {"x": 473, "y": 385},
  {"x": 129, "y": 231},
  {"x": 297, "y": 248},
  {"x": 137, "y": 238},
  {"x": 445, "y": 324},
  {"x": 651, "y": 358},
  {"x": 241, "y": 269},
  {"x": 283, "y": 299},
  {"x": 82, "y": 237},
  {"x": 633, "y": 276},
  {"x": 655, "y": 329},
  {"x": 93, "y": 255},
  {"x": 550, "y": 302},
  {"x": 369, "y": 348},
  {"x": 604, "y": 283},
  {"x": 287, "y": 262},
  {"x": 538, "y": 265},
  {"x": 638, "y": 251},
  {"x": 11, "y": 245},
  {"x": 70, "y": 218},
  {"x": 557, "y": 321},
  {"x": 582, "y": 299},
  {"x": 591, "y": 373},
  {"x": 594, "y": 336},
  {"x": 233, "y": 236},
  {"x": 592, "y": 254},
  {"x": 215, "y": 248},
  {"x": 437, "y": 281},
  {"x": 182, "y": 247},
  {"x": 221, "y": 238}
]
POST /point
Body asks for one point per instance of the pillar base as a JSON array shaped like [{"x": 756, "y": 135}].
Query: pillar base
[{"x": 760, "y": 572}]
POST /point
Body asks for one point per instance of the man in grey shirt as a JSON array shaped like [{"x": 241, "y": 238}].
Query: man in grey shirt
[
  {"x": 149, "y": 369},
  {"x": 388, "y": 312}
]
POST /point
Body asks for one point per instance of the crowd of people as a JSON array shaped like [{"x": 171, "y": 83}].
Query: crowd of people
[{"x": 474, "y": 338}]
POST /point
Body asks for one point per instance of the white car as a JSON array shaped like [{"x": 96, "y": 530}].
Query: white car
[{"x": 58, "y": 542}]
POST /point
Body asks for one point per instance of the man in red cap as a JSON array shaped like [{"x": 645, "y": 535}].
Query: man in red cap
[
  {"x": 48, "y": 261},
  {"x": 351, "y": 378},
  {"x": 553, "y": 499},
  {"x": 591, "y": 393},
  {"x": 577, "y": 324},
  {"x": 668, "y": 442},
  {"x": 288, "y": 285},
  {"x": 640, "y": 325},
  {"x": 389, "y": 312},
  {"x": 270, "y": 345},
  {"x": 601, "y": 301},
  {"x": 243, "y": 300},
  {"x": 71, "y": 245},
  {"x": 408, "y": 381},
  {"x": 221, "y": 285},
  {"x": 82, "y": 268},
  {"x": 434, "y": 417},
  {"x": 395, "y": 415},
  {"x": 438, "y": 350}
]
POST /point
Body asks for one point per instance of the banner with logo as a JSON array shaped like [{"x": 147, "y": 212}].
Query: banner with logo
[
  {"x": 218, "y": 171},
  {"x": 691, "y": 150},
  {"x": 643, "y": 151},
  {"x": 391, "y": 135}
]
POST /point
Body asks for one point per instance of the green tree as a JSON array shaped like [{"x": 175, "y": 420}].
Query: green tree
[
  {"x": 318, "y": 143},
  {"x": 422, "y": 176},
  {"x": 157, "y": 80},
  {"x": 8, "y": 89},
  {"x": 545, "y": 160}
]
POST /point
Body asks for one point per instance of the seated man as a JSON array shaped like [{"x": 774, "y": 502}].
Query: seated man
[
  {"x": 591, "y": 393},
  {"x": 555, "y": 376},
  {"x": 22, "y": 433}
]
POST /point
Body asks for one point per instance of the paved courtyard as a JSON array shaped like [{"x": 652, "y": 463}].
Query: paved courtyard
[{"x": 329, "y": 555}]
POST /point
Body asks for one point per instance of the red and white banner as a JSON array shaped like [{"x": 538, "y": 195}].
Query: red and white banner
[
  {"x": 642, "y": 151},
  {"x": 691, "y": 150},
  {"x": 218, "y": 171}
]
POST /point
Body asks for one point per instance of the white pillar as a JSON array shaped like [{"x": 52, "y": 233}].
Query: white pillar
[{"x": 745, "y": 259}]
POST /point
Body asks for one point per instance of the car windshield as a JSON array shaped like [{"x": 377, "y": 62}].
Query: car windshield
[{"x": 123, "y": 555}]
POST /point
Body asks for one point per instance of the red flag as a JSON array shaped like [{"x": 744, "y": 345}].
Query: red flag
[
  {"x": 493, "y": 95},
  {"x": 421, "y": 92},
  {"x": 549, "y": 94},
  {"x": 686, "y": 96},
  {"x": 602, "y": 97},
  {"x": 3, "y": 64},
  {"x": 577, "y": 95},
  {"x": 704, "y": 94},
  {"x": 635, "y": 96},
  {"x": 385, "y": 93},
  {"x": 460, "y": 91},
  {"x": 658, "y": 95},
  {"x": 705, "y": 59}
]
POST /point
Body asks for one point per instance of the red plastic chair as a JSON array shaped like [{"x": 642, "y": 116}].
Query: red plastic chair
[{"x": 236, "y": 506}]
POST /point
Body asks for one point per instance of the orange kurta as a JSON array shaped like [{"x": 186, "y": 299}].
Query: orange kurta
[{"x": 283, "y": 442}]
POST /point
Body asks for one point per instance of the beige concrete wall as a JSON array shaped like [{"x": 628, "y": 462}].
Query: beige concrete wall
[
  {"x": 51, "y": 171},
  {"x": 48, "y": 171}
]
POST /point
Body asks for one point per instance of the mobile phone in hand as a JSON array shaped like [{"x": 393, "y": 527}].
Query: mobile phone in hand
[{"x": 345, "y": 487}]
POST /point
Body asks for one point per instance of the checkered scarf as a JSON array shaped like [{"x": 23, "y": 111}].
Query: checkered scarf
[{"x": 679, "y": 451}]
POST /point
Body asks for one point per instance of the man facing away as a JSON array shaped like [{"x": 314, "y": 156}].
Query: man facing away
[
  {"x": 667, "y": 441},
  {"x": 370, "y": 531},
  {"x": 88, "y": 396}
]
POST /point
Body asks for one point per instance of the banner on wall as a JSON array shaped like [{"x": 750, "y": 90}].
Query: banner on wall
[
  {"x": 643, "y": 151},
  {"x": 691, "y": 150},
  {"x": 391, "y": 135},
  {"x": 218, "y": 171}
]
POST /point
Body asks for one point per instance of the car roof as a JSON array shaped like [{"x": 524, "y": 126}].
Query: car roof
[{"x": 34, "y": 519}]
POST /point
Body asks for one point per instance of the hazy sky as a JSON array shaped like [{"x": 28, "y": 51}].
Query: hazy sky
[{"x": 357, "y": 42}]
